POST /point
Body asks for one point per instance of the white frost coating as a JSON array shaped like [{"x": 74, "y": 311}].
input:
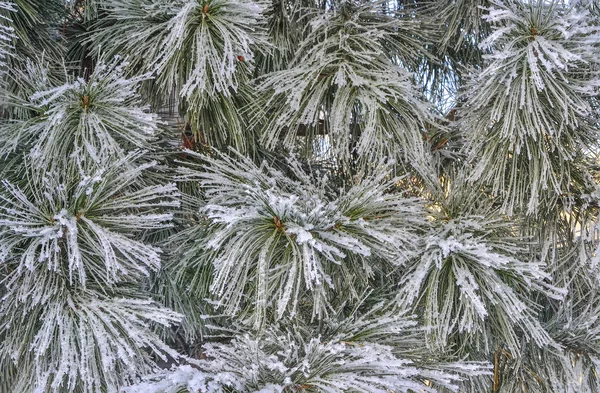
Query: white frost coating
[
  {"x": 302, "y": 235},
  {"x": 186, "y": 377},
  {"x": 7, "y": 35},
  {"x": 262, "y": 221},
  {"x": 67, "y": 224},
  {"x": 281, "y": 361},
  {"x": 475, "y": 260},
  {"x": 529, "y": 109},
  {"x": 52, "y": 224},
  {"x": 89, "y": 341},
  {"x": 98, "y": 119},
  {"x": 343, "y": 54}
]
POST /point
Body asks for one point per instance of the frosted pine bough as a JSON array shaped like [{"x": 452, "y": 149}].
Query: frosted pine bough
[
  {"x": 78, "y": 345},
  {"x": 354, "y": 354},
  {"x": 311, "y": 237},
  {"x": 74, "y": 261},
  {"x": 533, "y": 101},
  {"x": 375, "y": 98},
  {"x": 147, "y": 256},
  {"x": 91, "y": 216},
  {"x": 100, "y": 118},
  {"x": 73, "y": 215},
  {"x": 170, "y": 31},
  {"x": 200, "y": 51},
  {"x": 474, "y": 283}
]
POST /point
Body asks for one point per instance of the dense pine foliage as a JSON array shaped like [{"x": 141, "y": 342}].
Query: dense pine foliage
[{"x": 282, "y": 196}]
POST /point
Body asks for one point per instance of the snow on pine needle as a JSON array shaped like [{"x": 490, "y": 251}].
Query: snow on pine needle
[
  {"x": 78, "y": 340},
  {"x": 84, "y": 223},
  {"x": 334, "y": 366},
  {"x": 271, "y": 238},
  {"x": 350, "y": 357},
  {"x": 529, "y": 108},
  {"x": 554, "y": 372},
  {"x": 196, "y": 48},
  {"x": 7, "y": 34},
  {"x": 341, "y": 84},
  {"x": 201, "y": 52},
  {"x": 472, "y": 279},
  {"x": 575, "y": 367},
  {"x": 101, "y": 118}
]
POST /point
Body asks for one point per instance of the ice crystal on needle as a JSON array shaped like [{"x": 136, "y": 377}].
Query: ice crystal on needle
[
  {"x": 100, "y": 118},
  {"x": 307, "y": 232},
  {"x": 78, "y": 226},
  {"x": 531, "y": 103},
  {"x": 299, "y": 196},
  {"x": 357, "y": 355}
]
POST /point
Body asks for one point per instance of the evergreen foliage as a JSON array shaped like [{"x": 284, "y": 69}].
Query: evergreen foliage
[{"x": 263, "y": 196}]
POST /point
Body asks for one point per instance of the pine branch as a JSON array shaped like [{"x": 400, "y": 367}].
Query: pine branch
[
  {"x": 342, "y": 77},
  {"x": 78, "y": 341},
  {"x": 202, "y": 51},
  {"x": 528, "y": 110},
  {"x": 98, "y": 119},
  {"x": 84, "y": 224},
  {"x": 295, "y": 359},
  {"x": 471, "y": 282},
  {"x": 271, "y": 238}
]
